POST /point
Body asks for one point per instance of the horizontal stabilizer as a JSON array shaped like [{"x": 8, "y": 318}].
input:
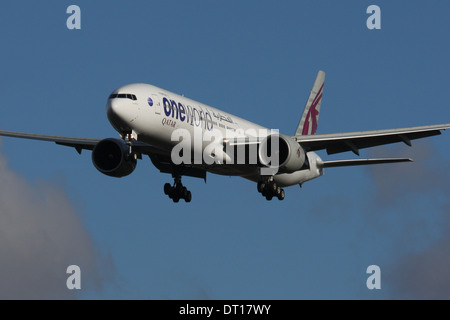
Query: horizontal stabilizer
[{"x": 360, "y": 162}]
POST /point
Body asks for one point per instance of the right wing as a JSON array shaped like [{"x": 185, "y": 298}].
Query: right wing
[{"x": 353, "y": 141}]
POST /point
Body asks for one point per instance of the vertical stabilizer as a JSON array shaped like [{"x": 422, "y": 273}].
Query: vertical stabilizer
[{"x": 310, "y": 117}]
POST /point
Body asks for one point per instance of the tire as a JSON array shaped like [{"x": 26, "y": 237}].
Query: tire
[
  {"x": 167, "y": 188},
  {"x": 176, "y": 199},
  {"x": 273, "y": 186},
  {"x": 264, "y": 192},
  {"x": 184, "y": 192},
  {"x": 281, "y": 195},
  {"x": 269, "y": 197},
  {"x": 188, "y": 197},
  {"x": 261, "y": 186}
]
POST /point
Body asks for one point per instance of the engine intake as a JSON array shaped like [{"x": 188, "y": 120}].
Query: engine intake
[
  {"x": 112, "y": 157},
  {"x": 281, "y": 152}
]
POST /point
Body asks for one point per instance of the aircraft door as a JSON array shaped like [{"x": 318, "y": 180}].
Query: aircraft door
[{"x": 156, "y": 103}]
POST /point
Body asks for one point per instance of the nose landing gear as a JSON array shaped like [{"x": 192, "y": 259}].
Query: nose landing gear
[{"x": 177, "y": 191}]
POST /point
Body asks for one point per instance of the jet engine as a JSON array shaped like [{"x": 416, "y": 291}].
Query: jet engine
[
  {"x": 113, "y": 158},
  {"x": 281, "y": 152}
]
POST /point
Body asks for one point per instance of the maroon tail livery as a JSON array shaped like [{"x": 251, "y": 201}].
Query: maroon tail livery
[{"x": 310, "y": 118}]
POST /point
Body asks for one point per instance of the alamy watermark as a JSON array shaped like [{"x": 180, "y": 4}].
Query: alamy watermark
[
  {"x": 74, "y": 20},
  {"x": 374, "y": 20},
  {"x": 209, "y": 147},
  {"x": 374, "y": 280},
  {"x": 74, "y": 280}
]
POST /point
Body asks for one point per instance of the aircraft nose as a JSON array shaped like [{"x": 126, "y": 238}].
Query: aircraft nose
[
  {"x": 112, "y": 108},
  {"x": 118, "y": 114},
  {"x": 116, "y": 108}
]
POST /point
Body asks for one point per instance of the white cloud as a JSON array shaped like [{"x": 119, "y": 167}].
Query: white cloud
[{"x": 41, "y": 234}]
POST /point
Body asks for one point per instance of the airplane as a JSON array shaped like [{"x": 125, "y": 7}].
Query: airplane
[{"x": 160, "y": 124}]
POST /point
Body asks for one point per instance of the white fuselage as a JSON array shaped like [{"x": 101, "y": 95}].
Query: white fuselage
[{"x": 151, "y": 115}]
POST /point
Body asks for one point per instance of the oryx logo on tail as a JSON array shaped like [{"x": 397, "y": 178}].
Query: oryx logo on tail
[
  {"x": 310, "y": 118},
  {"x": 310, "y": 125}
]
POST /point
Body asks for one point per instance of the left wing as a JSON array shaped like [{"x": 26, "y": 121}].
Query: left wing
[
  {"x": 83, "y": 143},
  {"x": 353, "y": 141},
  {"x": 78, "y": 143}
]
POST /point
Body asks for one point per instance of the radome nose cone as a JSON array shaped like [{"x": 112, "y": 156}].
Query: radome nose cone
[
  {"x": 110, "y": 110},
  {"x": 112, "y": 106},
  {"x": 116, "y": 110},
  {"x": 115, "y": 114},
  {"x": 120, "y": 114}
]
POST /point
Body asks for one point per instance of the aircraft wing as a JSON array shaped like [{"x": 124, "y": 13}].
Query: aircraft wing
[
  {"x": 78, "y": 143},
  {"x": 353, "y": 141},
  {"x": 81, "y": 143}
]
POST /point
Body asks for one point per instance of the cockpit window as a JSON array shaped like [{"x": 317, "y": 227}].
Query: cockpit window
[{"x": 123, "y": 96}]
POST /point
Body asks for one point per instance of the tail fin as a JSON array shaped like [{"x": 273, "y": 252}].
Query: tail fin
[{"x": 310, "y": 117}]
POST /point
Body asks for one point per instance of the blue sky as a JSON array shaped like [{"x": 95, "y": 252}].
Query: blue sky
[{"x": 255, "y": 59}]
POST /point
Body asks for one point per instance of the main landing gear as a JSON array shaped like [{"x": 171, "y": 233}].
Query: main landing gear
[
  {"x": 269, "y": 189},
  {"x": 177, "y": 191}
]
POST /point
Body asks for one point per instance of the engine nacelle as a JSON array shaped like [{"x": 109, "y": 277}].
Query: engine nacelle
[
  {"x": 288, "y": 156},
  {"x": 112, "y": 157}
]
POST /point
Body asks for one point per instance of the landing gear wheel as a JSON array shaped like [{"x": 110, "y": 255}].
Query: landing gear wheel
[
  {"x": 177, "y": 191},
  {"x": 167, "y": 188},
  {"x": 261, "y": 186},
  {"x": 270, "y": 189},
  {"x": 281, "y": 195},
  {"x": 273, "y": 187},
  {"x": 188, "y": 197},
  {"x": 278, "y": 191}
]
